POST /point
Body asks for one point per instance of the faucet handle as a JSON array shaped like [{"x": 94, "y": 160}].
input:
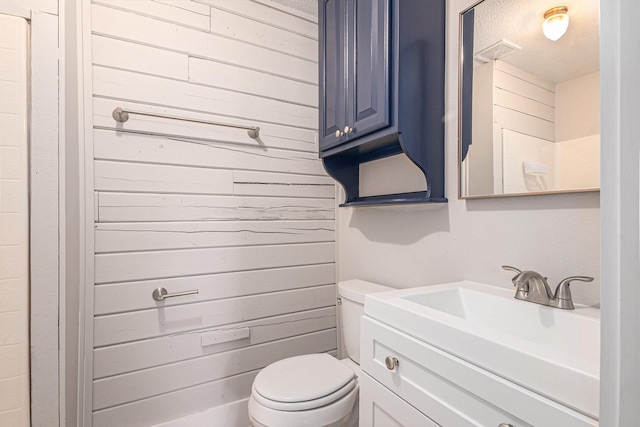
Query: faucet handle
[
  {"x": 563, "y": 292},
  {"x": 509, "y": 268},
  {"x": 521, "y": 288}
]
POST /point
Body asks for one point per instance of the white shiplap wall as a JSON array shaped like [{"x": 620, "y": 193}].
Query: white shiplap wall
[
  {"x": 523, "y": 102},
  {"x": 249, "y": 223}
]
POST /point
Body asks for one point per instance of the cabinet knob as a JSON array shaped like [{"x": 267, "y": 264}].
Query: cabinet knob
[
  {"x": 339, "y": 133},
  {"x": 348, "y": 130},
  {"x": 505, "y": 425},
  {"x": 391, "y": 363}
]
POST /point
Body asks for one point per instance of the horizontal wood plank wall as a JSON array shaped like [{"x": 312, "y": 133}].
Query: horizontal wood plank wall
[
  {"x": 248, "y": 223},
  {"x": 523, "y": 102}
]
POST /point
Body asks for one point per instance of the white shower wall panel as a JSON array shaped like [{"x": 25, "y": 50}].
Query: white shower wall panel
[
  {"x": 184, "y": 206},
  {"x": 47, "y": 6},
  {"x": 14, "y": 224}
]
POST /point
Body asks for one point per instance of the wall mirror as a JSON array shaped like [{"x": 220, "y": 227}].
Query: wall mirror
[{"x": 529, "y": 106}]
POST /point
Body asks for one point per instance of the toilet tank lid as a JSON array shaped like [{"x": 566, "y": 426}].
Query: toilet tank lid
[{"x": 356, "y": 289}]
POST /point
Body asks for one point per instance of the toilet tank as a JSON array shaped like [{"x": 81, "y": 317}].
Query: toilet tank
[{"x": 352, "y": 294}]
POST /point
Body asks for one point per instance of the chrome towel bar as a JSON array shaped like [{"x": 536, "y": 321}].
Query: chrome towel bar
[{"x": 121, "y": 116}]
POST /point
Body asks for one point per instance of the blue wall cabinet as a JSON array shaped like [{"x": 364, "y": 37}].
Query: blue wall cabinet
[
  {"x": 382, "y": 91},
  {"x": 355, "y": 71}
]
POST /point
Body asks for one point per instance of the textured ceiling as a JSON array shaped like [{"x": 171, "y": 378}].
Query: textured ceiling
[
  {"x": 307, "y": 6},
  {"x": 520, "y": 21}
]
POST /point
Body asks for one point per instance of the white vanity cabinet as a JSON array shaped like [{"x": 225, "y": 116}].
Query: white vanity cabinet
[
  {"x": 431, "y": 387},
  {"x": 380, "y": 407}
]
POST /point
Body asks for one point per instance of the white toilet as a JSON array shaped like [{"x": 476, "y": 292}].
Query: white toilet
[{"x": 316, "y": 390}]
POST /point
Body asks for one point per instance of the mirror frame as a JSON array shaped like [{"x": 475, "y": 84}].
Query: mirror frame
[{"x": 462, "y": 124}]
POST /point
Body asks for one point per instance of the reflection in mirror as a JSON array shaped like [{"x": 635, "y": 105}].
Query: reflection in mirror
[{"x": 529, "y": 106}]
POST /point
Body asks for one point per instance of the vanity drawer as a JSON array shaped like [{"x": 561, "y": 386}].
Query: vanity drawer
[
  {"x": 379, "y": 407},
  {"x": 451, "y": 391}
]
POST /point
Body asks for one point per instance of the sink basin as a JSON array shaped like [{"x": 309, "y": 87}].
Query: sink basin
[{"x": 553, "y": 352}]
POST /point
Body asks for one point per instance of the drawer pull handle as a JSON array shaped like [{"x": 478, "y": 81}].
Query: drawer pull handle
[
  {"x": 505, "y": 425},
  {"x": 391, "y": 363},
  {"x": 160, "y": 294}
]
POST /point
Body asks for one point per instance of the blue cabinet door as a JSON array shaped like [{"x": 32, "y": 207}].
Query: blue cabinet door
[
  {"x": 332, "y": 19},
  {"x": 368, "y": 66},
  {"x": 355, "y": 52}
]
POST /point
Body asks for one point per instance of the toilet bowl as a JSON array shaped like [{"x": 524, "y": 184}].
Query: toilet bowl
[
  {"x": 309, "y": 390},
  {"x": 316, "y": 390}
]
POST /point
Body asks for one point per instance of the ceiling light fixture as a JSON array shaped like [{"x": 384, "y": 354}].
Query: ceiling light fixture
[{"x": 556, "y": 22}]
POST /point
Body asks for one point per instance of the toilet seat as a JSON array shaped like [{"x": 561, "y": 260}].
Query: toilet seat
[
  {"x": 303, "y": 382},
  {"x": 306, "y": 404}
]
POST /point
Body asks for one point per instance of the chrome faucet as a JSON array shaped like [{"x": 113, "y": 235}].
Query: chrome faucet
[{"x": 531, "y": 286}]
